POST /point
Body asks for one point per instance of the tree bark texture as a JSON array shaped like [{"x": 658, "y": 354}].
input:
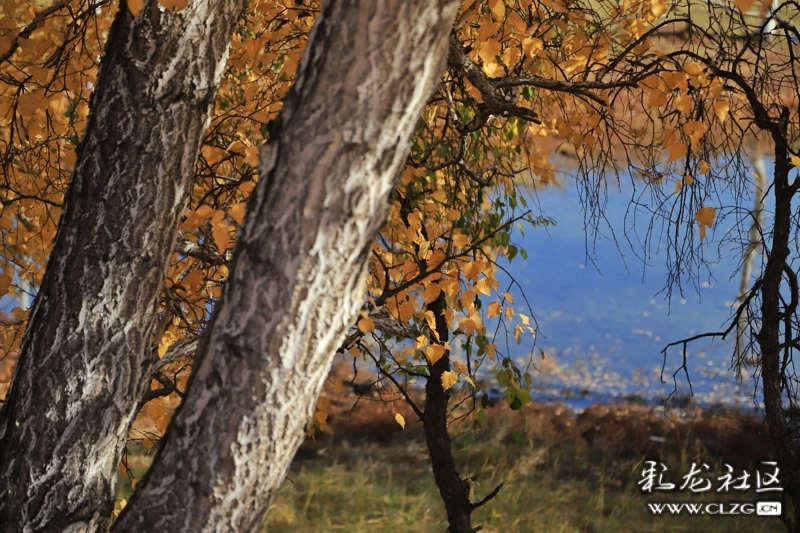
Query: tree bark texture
[
  {"x": 298, "y": 277},
  {"x": 85, "y": 359}
]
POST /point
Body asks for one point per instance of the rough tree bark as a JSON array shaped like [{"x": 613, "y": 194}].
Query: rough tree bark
[
  {"x": 85, "y": 357},
  {"x": 297, "y": 281}
]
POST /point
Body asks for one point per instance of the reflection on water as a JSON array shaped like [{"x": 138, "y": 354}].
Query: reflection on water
[{"x": 602, "y": 323}]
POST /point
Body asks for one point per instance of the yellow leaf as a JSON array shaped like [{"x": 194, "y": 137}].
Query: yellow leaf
[
  {"x": 366, "y": 324},
  {"x": 796, "y": 161},
  {"x": 449, "y": 379},
  {"x": 531, "y": 46},
  {"x": 688, "y": 180},
  {"x": 467, "y": 325},
  {"x": 461, "y": 240},
  {"x": 695, "y": 129},
  {"x": 434, "y": 352},
  {"x": 693, "y": 68},
  {"x": 684, "y": 104},
  {"x": 400, "y": 420},
  {"x": 420, "y": 341},
  {"x": 179, "y": 5},
  {"x": 488, "y": 50},
  {"x": 678, "y": 186},
  {"x": 703, "y": 167},
  {"x": 721, "y": 108},
  {"x": 482, "y": 287},
  {"x": 494, "y": 310},
  {"x": 440, "y": 196},
  {"x": 460, "y": 367},
  {"x": 430, "y": 319},
  {"x": 657, "y": 8},
  {"x": 498, "y": 8},
  {"x": 135, "y": 6},
  {"x": 525, "y": 319}
]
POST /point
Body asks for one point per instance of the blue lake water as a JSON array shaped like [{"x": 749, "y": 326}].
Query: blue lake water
[{"x": 602, "y": 322}]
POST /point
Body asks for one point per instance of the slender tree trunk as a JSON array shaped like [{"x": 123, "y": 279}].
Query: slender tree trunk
[
  {"x": 753, "y": 246},
  {"x": 452, "y": 487},
  {"x": 772, "y": 318},
  {"x": 297, "y": 281},
  {"x": 85, "y": 357}
]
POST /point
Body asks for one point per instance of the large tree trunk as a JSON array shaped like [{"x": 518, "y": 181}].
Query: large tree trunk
[
  {"x": 297, "y": 281},
  {"x": 85, "y": 359}
]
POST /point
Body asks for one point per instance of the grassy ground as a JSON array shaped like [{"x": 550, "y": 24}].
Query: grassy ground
[
  {"x": 389, "y": 488},
  {"x": 562, "y": 473}
]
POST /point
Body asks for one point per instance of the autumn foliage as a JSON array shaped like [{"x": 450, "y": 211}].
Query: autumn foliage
[{"x": 622, "y": 88}]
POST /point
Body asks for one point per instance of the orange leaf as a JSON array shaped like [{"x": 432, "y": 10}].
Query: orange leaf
[
  {"x": 28, "y": 103},
  {"x": 656, "y": 98},
  {"x": 531, "y": 46},
  {"x": 193, "y": 280},
  {"x": 236, "y": 212},
  {"x": 366, "y": 324},
  {"x": 222, "y": 239},
  {"x": 677, "y": 150},
  {"x": 498, "y": 8},
  {"x": 432, "y": 292},
  {"x": 705, "y": 217}
]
